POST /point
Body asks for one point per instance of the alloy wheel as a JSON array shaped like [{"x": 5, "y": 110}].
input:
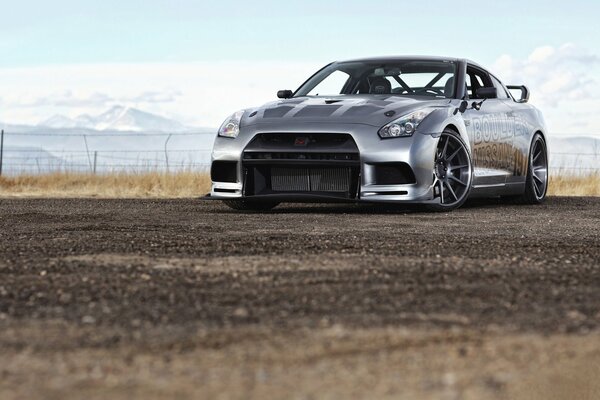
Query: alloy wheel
[
  {"x": 539, "y": 165},
  {"x": 452, "y": 170}
]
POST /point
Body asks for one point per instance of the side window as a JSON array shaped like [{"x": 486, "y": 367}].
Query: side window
[
  {"x": 477, "y": 78},
  {"x": 469, "y": 86},
  {"x": 501, "y": 91},
  {"x": 474, "y": 82},
  {"x": 330, "y": 86}
]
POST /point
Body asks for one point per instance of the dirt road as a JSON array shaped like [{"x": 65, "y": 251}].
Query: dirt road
[{"x": 187, "y": 299}]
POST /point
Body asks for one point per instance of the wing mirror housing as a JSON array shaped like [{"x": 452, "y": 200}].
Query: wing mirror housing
[
  {"x": 524, "y": 92},
  {"x": 464, "y": 106},
  {"x": 285, "y": 94},
  {"x": 487, "y": 93}
]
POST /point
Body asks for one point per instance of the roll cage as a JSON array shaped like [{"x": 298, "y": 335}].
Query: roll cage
[{"x": 461, "y": 90}]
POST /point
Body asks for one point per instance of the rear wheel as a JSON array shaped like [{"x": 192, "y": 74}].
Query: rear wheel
[
  {"x": 452, "y": 172},
  {"x": 247, "y": 205},
  {"x": 536, "y": 184}
]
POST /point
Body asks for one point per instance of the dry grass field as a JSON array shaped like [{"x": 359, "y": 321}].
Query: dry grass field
[
  {"x": 568, "y": 185},
  {"x": 120, "y": 185},
  {"x": 190, "y": 184}
]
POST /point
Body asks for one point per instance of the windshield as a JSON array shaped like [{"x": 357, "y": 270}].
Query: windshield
[{"x": 401, "y": 78}]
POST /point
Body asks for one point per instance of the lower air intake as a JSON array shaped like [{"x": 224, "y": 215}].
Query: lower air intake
[{"x": 334, "y": 179}]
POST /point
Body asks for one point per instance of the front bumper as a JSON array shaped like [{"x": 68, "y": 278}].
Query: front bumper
[{"x": 417, "y": 152}]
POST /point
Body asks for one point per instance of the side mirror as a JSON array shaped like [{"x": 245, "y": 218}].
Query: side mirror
[
  {"x": 524, "y": 93},
  {"x": 285, "y": 94},
  {"x": 487, "y": 93},
  {"x": 464, "y": 105}
]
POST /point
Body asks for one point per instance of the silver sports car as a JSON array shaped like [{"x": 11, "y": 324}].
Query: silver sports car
[{"x": 426, "y": 130}]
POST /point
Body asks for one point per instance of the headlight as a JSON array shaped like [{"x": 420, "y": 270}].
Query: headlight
[
  {"x": 231, "y": 127},
  {"x": 405, "y": 125}
]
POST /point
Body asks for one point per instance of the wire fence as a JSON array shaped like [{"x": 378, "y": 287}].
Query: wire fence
[{"x": 105, "y": 153}]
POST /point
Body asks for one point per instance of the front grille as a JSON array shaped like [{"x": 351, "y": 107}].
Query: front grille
[
  {"x": 301, "y": 156},
  {"x": 311, "y": 179},
  {"x": 289, "y": 164},
  {"x": 274, "y": 141}
]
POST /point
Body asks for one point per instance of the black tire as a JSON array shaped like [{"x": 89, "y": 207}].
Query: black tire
[
  {"x": 536, "y": 183},
  {"x": 454, "y": 175},
  {"x": 247, "y": 205}
]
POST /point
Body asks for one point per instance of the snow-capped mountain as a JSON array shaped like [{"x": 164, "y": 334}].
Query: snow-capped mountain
[{"x": 117, "y": 118}]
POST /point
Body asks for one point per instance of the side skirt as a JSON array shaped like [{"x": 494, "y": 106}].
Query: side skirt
[{"x": 501, "y": 189}]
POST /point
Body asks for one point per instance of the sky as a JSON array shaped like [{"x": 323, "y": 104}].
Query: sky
[{"x": 199, "y": 61}]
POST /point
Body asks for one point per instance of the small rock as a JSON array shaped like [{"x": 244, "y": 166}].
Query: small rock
[
  {"x": 576, "y": 315},
  {"x": 64, "y": 298},
  {"x": 240, "y": 312}
]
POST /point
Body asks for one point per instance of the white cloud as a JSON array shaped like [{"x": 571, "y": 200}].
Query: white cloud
[
  {"x": 65, "y": 99},
  {"x": 72, "y": 99},
  {"x": 555, "y": 75},
  {"x": 541, "y": 54},
  {"x": 200, "y": 94},
  {"x": 562, "y": 80},
  {"x": 153, "y": 97}
]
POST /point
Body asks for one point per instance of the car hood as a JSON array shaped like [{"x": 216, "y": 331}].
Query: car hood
[{"x": 372, "y": 110}]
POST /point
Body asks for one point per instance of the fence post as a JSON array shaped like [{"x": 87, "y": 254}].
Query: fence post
[
  {"x": 1, "y": 150},
  {"x": 166, "y": 152},
  {"x": 95, "y": 160},
  {"x": 87, "y": 151}
]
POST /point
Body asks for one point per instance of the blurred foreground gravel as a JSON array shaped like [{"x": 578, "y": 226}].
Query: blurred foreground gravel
[{"x": 186, "y": 299}]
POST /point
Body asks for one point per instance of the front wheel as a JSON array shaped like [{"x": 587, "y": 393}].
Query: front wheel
[
  {"x": 247, "y": 205},
  {"x": 452, "y": 172}
]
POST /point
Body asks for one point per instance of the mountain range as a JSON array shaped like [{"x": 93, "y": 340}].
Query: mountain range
[{"x": 117, "y": 118}]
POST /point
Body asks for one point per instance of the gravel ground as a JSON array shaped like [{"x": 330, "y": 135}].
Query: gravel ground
[{"x": 188, "y": 299}]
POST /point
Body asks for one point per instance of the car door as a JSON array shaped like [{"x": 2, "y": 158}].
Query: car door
[
  {"x": 519, "y": 141},
  {"x": 490, "y": 130}
]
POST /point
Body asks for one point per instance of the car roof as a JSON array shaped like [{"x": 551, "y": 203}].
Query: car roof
[{"x": 409, "y": 58}]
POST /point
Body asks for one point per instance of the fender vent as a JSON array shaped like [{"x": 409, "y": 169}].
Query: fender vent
[
  {"x": 392, "y": 174},
  {"x": 224, "y": 171}
]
